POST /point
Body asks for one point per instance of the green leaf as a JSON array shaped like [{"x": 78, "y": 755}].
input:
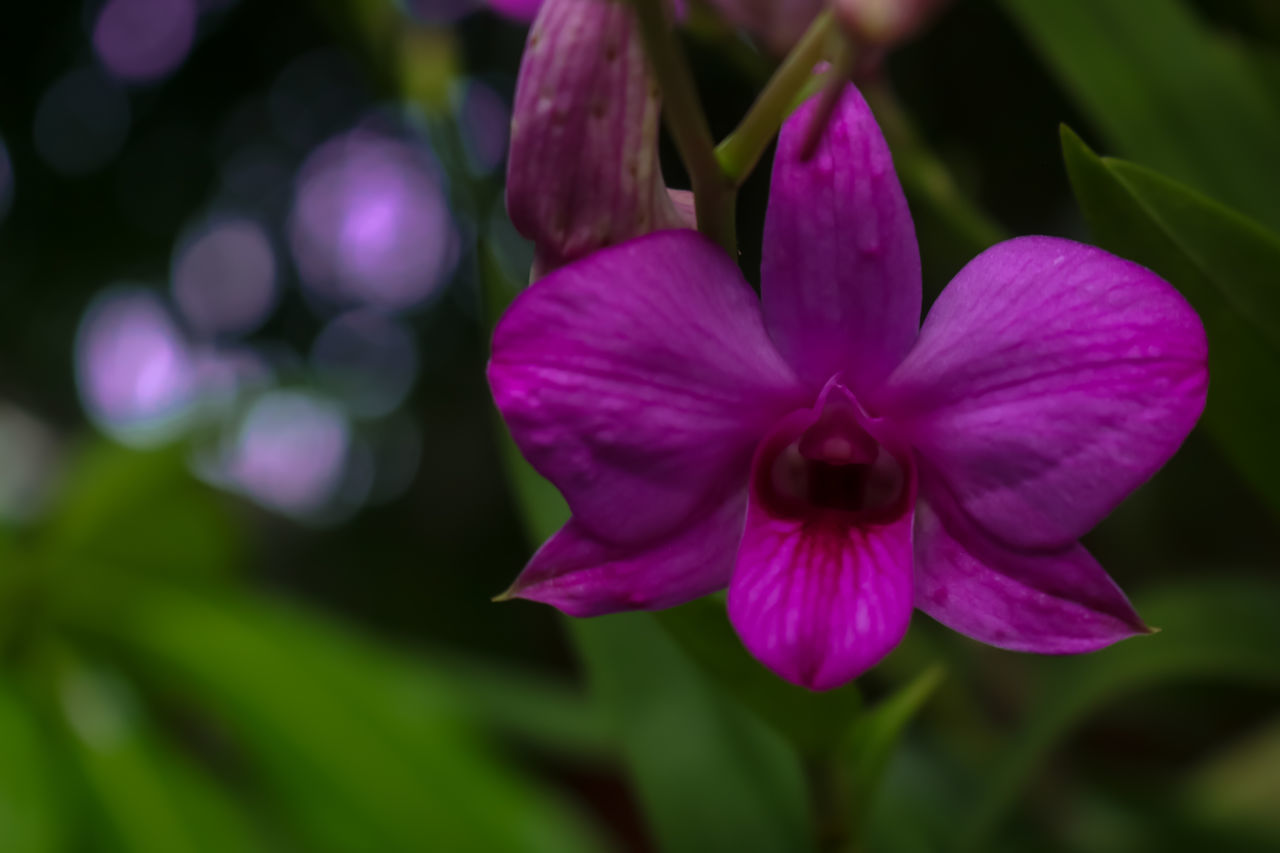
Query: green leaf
[
  {"x": 1222, "y": 630},
  {"x": 141, "y": 512},
  {"x": 709, "y": 775},
  {"x": 149, "y": 799},
  {"x": 811, "y": 721},
  {"x": 1240, "y": 786},
  {"x": 1165, "y": 91},
  {"x": 33, "y": 815},
  {"x": 874, "y": 739},
  {"x": 1189, "y": 240},
  {"x": 361, "y": 752},
  {"x": 532, "y": 708}
]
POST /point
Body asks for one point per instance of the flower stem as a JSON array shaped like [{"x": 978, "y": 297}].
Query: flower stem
[
  {"x": 829, "y": 795},
  {"x": 741, "y": 150},
  {"x": 714, "y": 195},
  {"x": 833, "y": 84}
]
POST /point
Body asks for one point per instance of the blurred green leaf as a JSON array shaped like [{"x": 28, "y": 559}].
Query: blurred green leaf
[
  {"x": 1240, "y": 786},
  {"x": 1190, "y": 241},
  {"x": 875, "y": 737},
  {"x": 142, "y": 512},
  {"x": 1211, "y": 630},
  {"x": 361, "y": 752},
  {"x": 150, "y": 799},
  {"x": 709, "y": 775},
  {"x": 811, "y": 721},
  {"x": 33, "y": 807},
  {"x": 1165, "y": 91}
]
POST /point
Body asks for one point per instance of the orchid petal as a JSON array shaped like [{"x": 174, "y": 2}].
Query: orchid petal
[
  {"x": 818, "y": 599},
  {"x": 841, "y": 268},
  {"x": 821, "y": 604},
  {"x": 1049, "y": 381},
  {"x": 583, "y": 167},
  {"x": 1053, "y": 602},
  {"x": 582, "y": 576},
  {"x": 638, "y": 380}
]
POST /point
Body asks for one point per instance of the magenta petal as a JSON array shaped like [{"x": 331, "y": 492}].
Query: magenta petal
[
  {"x": 1050, "y": 380},
  {"x": 1053, "y": 602},
  {"x": 638, "y": 380},
  {"x": 817, "y": 596},
  {"x": 582, "y": 576},
  {"x": 583, "y": 167},
  {"x": 821, "y": 604},
  {"x": 841, "y": 268}
]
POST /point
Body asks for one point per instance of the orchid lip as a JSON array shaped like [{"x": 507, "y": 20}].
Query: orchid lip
[{"x": 822, "y": 464}]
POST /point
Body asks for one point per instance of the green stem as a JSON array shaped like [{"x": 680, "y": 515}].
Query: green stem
[
  {"x": 741, "y": 150},
  {"x": 833, "y": 84},
  {"x": 828, "y": 798},
  {"x": 714, "y": 196}
]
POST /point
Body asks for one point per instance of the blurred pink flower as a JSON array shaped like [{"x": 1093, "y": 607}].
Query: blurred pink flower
[
  {"x": 816, "y": 450},
  {"x": 885, "y": 23}
]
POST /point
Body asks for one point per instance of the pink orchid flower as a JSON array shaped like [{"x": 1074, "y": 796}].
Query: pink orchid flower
[{"x": 819, "y": 452}]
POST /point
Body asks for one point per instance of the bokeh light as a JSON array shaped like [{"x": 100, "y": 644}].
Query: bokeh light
[
  {"x": 368, "y": 360},
  {"x": 485, "y": 121},
  {"x": 224, "y": 277},
  {"x": 6, "y": 181},
  {"x": 290, "y": 452},
  {"x": 370, "y": 223},
  {"x": 144, "y": 40},
  {"x": 134, "y": 369},
  {"x": 81, "y": 122},
  {"x": 225, "y": 374}
]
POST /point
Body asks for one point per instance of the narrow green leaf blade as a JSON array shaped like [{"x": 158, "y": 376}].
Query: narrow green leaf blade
[
  {"x": 1165, "y": 91},
  {"x": 875, "y": 737}
]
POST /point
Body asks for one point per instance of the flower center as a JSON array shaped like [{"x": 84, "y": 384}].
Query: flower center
[{"x": 832, "y": 468}]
